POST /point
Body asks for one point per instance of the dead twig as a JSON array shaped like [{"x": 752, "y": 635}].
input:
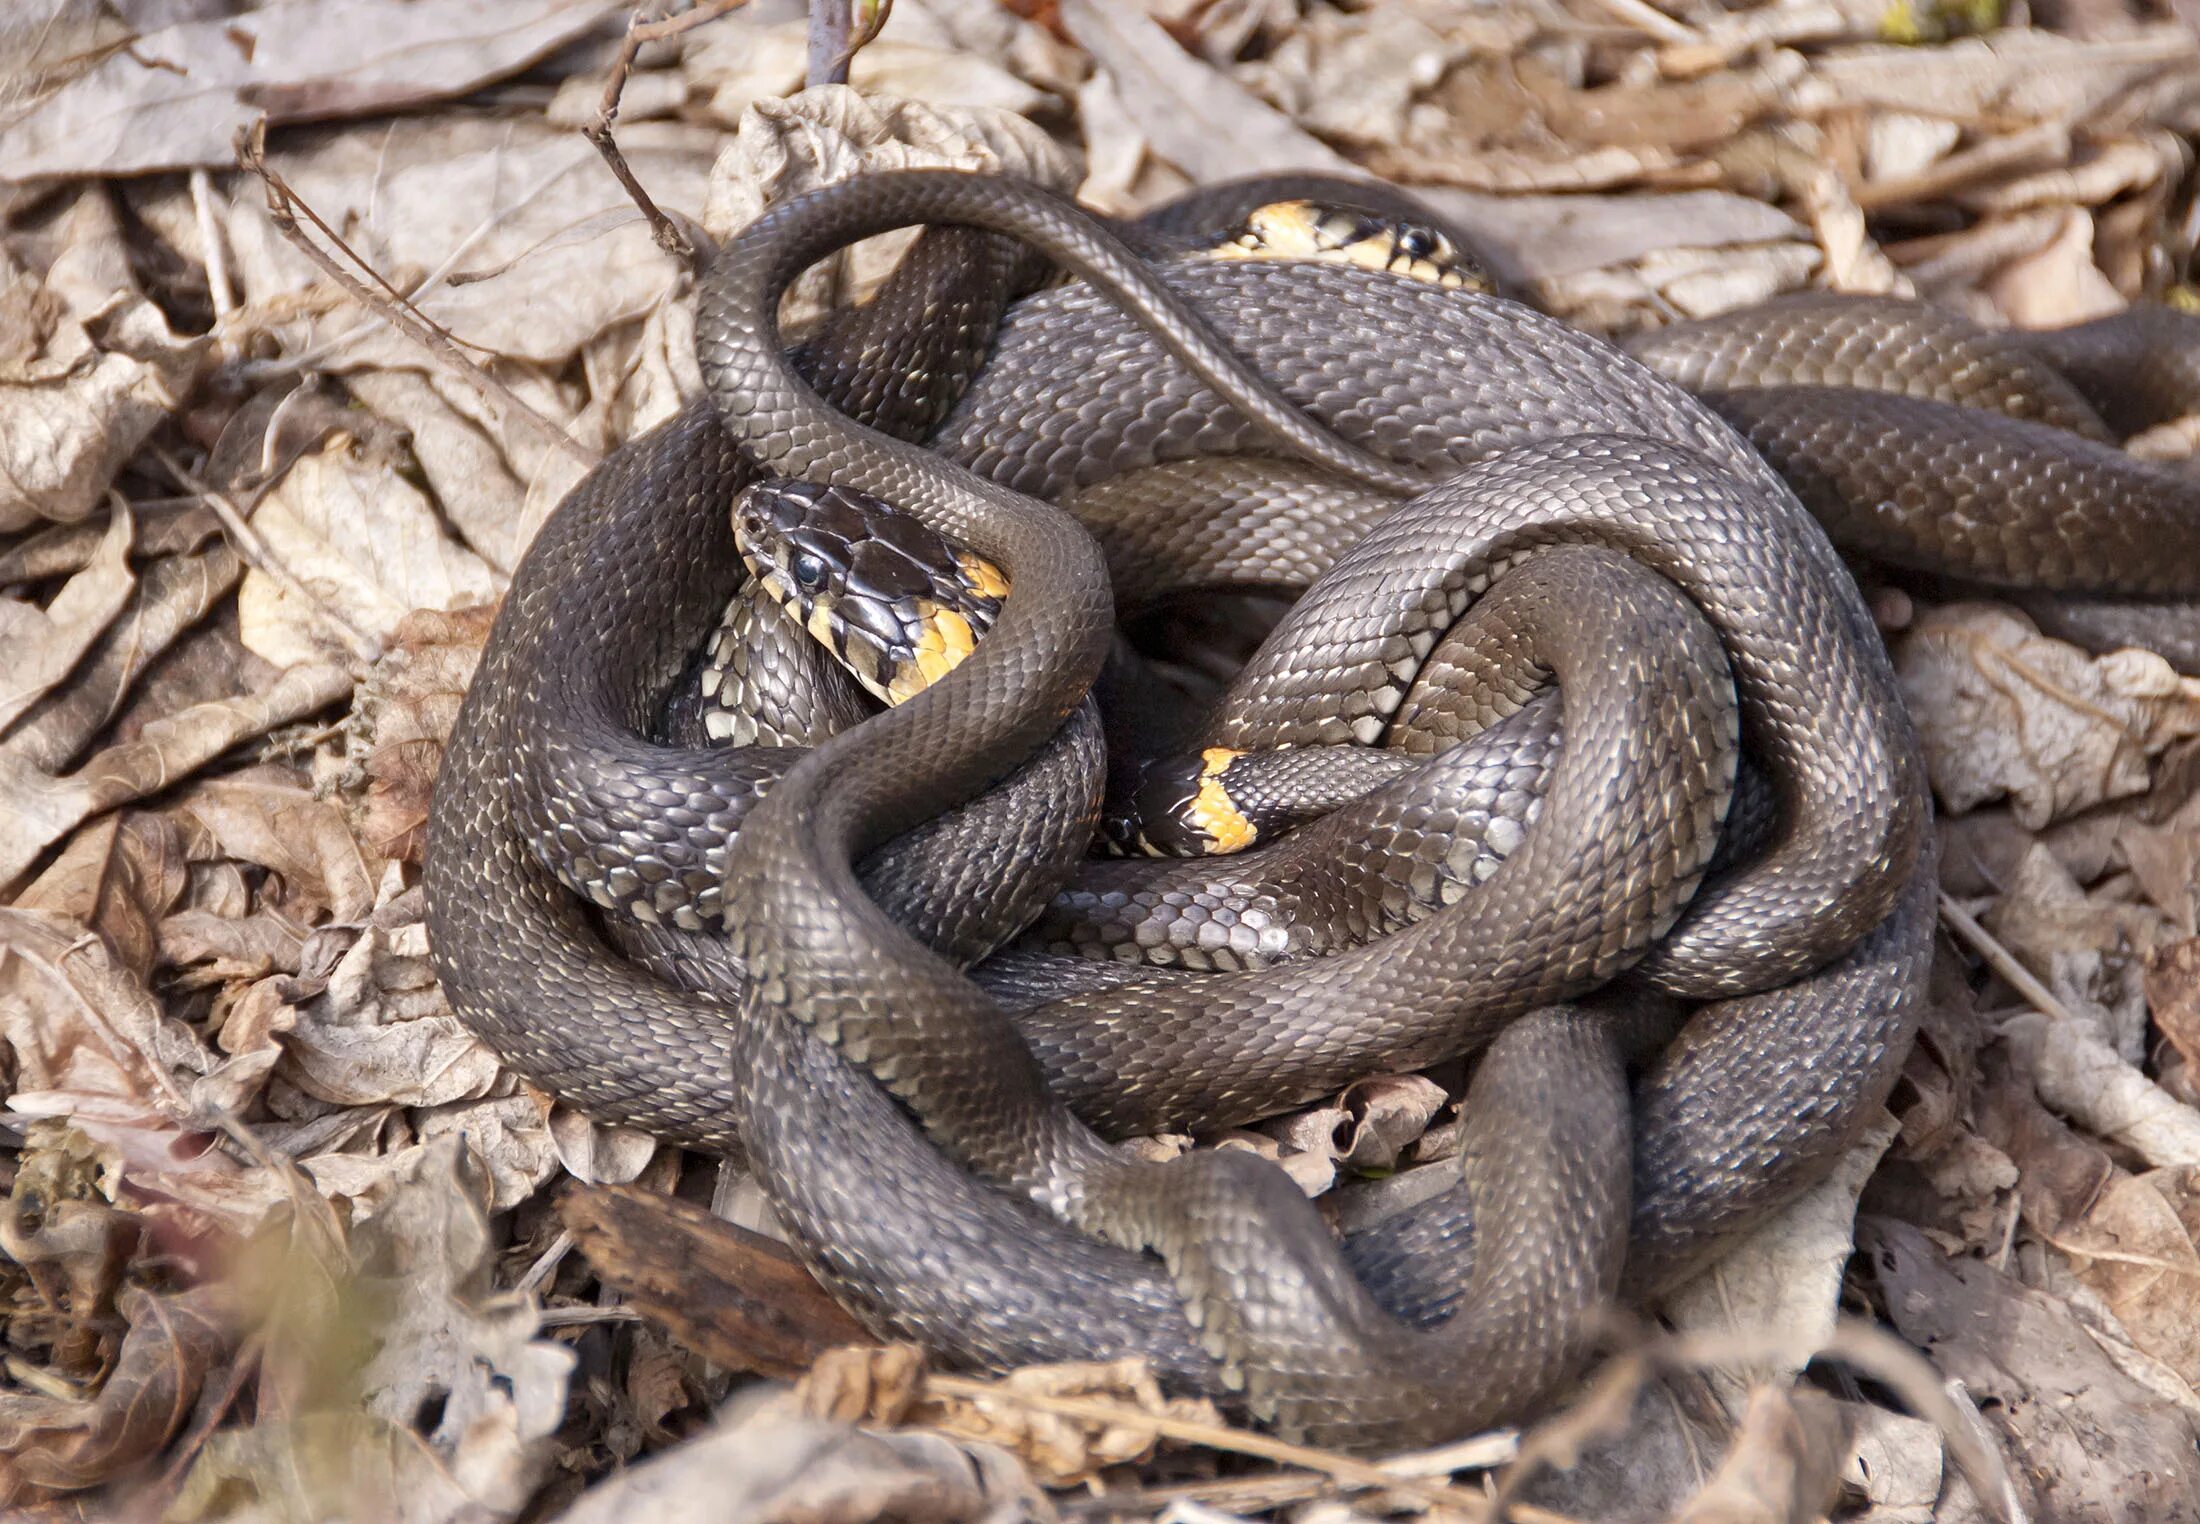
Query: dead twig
[
  {"x": 667, "y": 231},
  {"x": 2000, "y": 959},
  {"x": 1216, "y": 1436},
  {"x": 362, "y": 644},
  {"x": 284, "y": 208}
]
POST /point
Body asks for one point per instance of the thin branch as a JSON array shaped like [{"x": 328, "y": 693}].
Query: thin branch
[
  {"x": 361, "y": 643},
  {"x": 1215, "y": 1436},
  {"x": 832, "y": 29},
  {"x": 388, "y": 303},
  {"x": 667, "y": 232},
  {"x": 1999, "y": 958}
]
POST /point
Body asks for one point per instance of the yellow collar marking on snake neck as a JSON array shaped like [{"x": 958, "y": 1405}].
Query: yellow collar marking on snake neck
[{"x": 1211, "y": 813}]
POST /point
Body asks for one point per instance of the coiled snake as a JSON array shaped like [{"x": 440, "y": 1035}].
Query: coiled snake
[{"x": 1531, "y": 455}]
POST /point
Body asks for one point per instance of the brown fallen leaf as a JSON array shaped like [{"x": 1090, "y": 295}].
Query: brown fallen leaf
[
  {"x": 2002, "y": 710},
  {"x": 2133, "y": 1245},
  {"x": 77, "y": 397},
  {"x": 268, "y": 817},
  {"x": 2173, "y": 995},
  {"x": 403, "y": 715},
  {"x": 174, "y": 1344},
  {"x": 173, "y": 594},
  {"x": 358, "y": 538},
  {"x": 176, "y": 97},
  {"x": 2095, "y": 1443},
  {"x": 45, "y": 807},
  {"x": 118, "y": 876},
  {"x": 44, "y": 643}
]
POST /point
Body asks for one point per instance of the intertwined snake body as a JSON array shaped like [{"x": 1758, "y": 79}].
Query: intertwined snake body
[{"x": 1532, "y": 455}]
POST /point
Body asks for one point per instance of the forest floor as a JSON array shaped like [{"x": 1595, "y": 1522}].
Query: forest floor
[{"x": 308, "y": 316}]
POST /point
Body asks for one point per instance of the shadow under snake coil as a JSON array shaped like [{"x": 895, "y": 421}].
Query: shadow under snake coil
[{"x": 1564, "y": 511}]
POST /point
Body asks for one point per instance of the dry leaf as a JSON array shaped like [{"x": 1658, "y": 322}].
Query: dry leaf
[
  {"x": 1785, "y": 1275},
  {"x": 1895, "y": 1461},
  {"x": 1195, "y": 116},
  {"x": 456, "y": 1360},
  {"x": 362, "y": 541},
  {"x": 77, "y": 397},
  {"x": 2084, "y": 1078},
  {"x": 402, "y": 716},
  {"x": 175, "y": 593},
  {"x": 2002, "y": 710},
  {"x": 378, "y": 1031},
  {"x": 174, "y": 1344},
  {"x": 264, "y": 816},
  {"x": 829, "y": 133},
  {"x": 2133, "y": 1245},
  {"x": 176, "y": 97},
  {"x": 44, "y": 643},
  {"x": 45, "y": 808},
  {"x": 764, "y": 1464},
  {"x": 118, "y": 876},
  {"x": 2095, "y": 1443},
  {"x": 1783, "y": 1467},
  {"x": 1063, "y": 1451},
  {"x": 740, "y": 66}
]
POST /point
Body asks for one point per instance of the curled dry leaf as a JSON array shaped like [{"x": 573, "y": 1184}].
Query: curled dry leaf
[
  {"x": 58, "y": 1226},
  {"x": 2002, "y": 710},
  {"x": 767, "y": 1464},
  {"x": 829, "y": 133},
  {"x": 43, "y": 644},
  {"x": 77, "y": 397},
  {"x": 85, "y": 1036},
  {"x": 173, "y": 1345},
  {"x": 2088, "y": 1081},
  {"x": 1368, "y": 1125}
]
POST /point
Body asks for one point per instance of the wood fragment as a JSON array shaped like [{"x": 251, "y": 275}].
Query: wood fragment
[{"x": 730, "y": 1295}]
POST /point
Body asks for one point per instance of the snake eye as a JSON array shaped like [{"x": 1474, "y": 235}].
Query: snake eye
[
  {"x": 1420, "y": 243},
  {"x": 808, "y": 570}
]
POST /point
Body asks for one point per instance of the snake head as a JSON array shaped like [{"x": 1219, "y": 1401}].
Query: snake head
[
  {"x": 897, "y": 604},
  {"x": 1337, "y": 235}
]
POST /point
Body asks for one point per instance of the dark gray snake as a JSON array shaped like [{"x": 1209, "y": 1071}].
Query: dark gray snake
[{"x": 1542, "y": 453}]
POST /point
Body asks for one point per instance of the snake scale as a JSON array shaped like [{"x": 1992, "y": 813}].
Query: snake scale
[{"x": 1529, "y": 503}]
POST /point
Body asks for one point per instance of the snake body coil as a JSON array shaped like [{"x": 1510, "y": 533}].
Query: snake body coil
[{"x": 1531, "y": 457}]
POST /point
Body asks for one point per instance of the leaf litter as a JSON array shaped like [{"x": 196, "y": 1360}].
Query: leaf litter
[{"x": 282, "y": 1239}]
